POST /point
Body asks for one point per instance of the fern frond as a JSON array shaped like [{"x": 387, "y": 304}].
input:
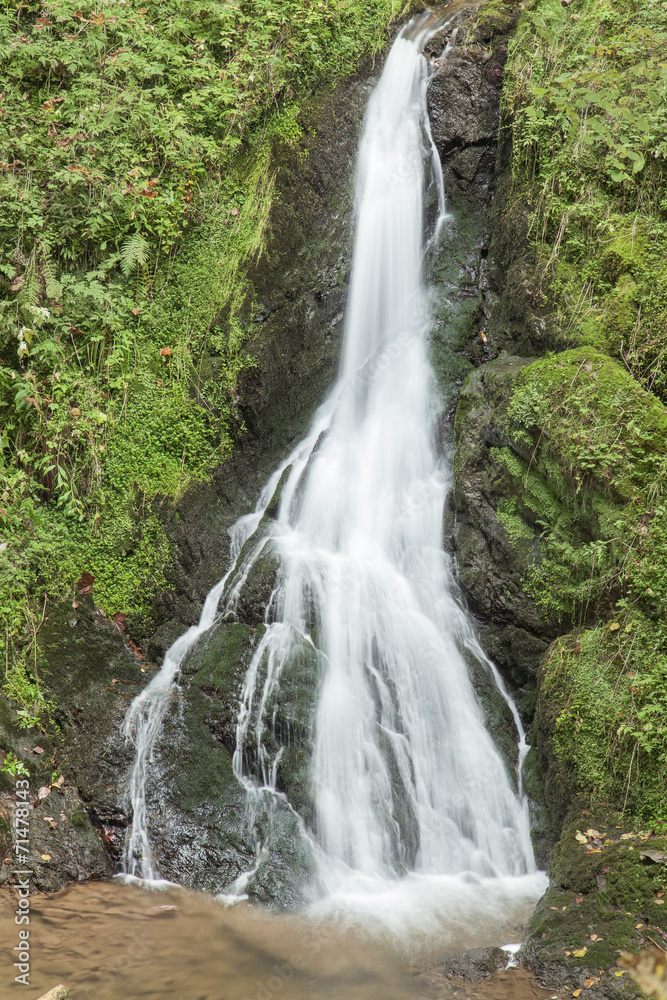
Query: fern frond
[
  {"x": 30, "y": 289},
  {"x": 54, "y": 289},
  {"x": 134, "y": 252}
]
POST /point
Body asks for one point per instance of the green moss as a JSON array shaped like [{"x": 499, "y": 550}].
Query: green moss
[
  {"x": 218, "y": 662},
  {"x": 294, "y": 780},
  {"x": 602, "y": 901},
  {"x": 79, "y": 819},
  {"x": 586, "y": 465},
  {"x": 601, "y": 715}
]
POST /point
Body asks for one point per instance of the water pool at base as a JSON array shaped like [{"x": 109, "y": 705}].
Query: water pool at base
[{"x": 107, "y": 941}]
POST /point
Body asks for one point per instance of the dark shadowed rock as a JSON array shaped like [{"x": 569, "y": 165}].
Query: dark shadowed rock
[
  {"x": 477, "y": 963},
  {"x": 91, "y": 674}
]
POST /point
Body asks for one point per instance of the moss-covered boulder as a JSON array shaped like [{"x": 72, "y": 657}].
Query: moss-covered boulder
[
  {"x": 607, "y": 895},
  {"x": 556, "y": 474},
  {"x": 600, "y": 728}
]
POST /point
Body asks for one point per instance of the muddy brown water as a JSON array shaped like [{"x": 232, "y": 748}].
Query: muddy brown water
[{"x": 107, "y": 941}]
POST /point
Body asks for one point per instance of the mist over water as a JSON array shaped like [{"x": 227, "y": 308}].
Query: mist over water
[{"x": 418, "y": 827}]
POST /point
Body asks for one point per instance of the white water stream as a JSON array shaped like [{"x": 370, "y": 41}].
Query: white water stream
[{"x": 414, "y": 807}]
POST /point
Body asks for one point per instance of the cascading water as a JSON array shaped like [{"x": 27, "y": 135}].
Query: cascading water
[{"x": 405, "y": 777}]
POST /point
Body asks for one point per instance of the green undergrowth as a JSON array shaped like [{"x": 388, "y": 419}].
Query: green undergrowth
[
  {"x": 137, "y": 147},
  {"x": 586, "y": 104},
  {"x": 603, "y": 695}
]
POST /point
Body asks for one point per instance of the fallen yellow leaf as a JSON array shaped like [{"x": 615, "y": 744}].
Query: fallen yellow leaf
[
  {"x": 576, "y": 993},
  {"x": 46, "y": 857},
  {"x": 580, "y": 837},
  {"x": 580, "y": 953}
]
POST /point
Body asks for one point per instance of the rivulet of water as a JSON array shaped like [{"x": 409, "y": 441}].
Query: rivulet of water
[{"x": 412, "y": 800}]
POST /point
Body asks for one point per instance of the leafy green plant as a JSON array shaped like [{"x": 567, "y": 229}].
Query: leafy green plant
[{"x": 12, "y": 765}]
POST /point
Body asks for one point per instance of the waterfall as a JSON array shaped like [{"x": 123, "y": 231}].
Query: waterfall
[{"x": 405, "y": 777}]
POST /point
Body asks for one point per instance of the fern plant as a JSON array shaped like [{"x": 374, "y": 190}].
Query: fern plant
[{"x": 134, "y": 253}]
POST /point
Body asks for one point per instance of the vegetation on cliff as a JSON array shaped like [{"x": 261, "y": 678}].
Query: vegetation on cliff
[
  {"x": 585, "y": 104},
  {"x": 136, "y": 176}
]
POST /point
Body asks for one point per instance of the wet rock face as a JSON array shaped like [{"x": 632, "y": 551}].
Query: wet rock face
[
  {"x": 91, "y": 674},
  {"x": 463, "y": 102},
  {"x": 204, "y": 824},
  {"x": 468, "y": 267},
  {"x": 492, "y": 565}
]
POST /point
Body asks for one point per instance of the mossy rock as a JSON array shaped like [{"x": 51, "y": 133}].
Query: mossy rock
[
  {"x": 598, "y": 727},
  {"x": 254, "y": 580},
  {"x": 294, "y": 779},
  {"x": 603, "y": 900},
  {"x": 554, "y": 463},
  {"x": 492, "y": 562}
]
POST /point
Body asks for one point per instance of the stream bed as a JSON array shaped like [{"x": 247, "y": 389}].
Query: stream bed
[{"x": 107, "y": 940}]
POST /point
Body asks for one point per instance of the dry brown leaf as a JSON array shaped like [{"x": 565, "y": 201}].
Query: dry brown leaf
[{"x": 85, "y": 584}]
